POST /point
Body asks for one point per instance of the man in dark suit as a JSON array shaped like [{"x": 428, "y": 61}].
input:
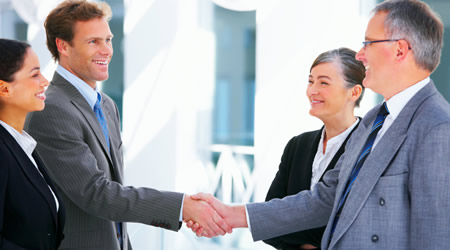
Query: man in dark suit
[
  {"x": 79, "y": 140},
  {"x": 389, "y": 190}
]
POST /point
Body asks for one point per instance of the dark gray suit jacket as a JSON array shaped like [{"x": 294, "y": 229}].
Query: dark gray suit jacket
[
  {"x": 400, "y": 199},
  {"x": 88, "y": 177}
]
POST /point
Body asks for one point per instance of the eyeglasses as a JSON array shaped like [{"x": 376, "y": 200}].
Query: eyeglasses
[{"x": 365, "y": 43}]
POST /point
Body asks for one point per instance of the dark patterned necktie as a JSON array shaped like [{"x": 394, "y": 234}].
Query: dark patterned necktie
[{"x": 377, "y": 124}]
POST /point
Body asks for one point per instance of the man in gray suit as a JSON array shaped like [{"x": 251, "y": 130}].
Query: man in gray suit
[
  {"x": 80, "y": 143},
  {"x": 398, "y": 197}
]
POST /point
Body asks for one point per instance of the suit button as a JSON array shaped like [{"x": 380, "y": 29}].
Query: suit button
[
  {"x": 382, "y": 202},
  {"x": 374, "y": 238}
]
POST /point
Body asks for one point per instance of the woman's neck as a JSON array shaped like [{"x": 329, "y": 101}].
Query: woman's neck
[
  {"x": 13, "y": 119},
  {"x": 334, "y": 127}
]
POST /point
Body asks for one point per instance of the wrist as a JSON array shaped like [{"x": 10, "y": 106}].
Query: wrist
[
  {"x": 185, "y": 206},
  {"x": 239, "y": 218}
]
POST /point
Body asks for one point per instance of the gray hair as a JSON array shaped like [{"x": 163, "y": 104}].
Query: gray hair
[
  {"x": 419, "y": 25},
  {"x": 352, "y": 70}
]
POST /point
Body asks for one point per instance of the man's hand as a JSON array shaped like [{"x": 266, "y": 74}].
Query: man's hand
[
  {"x": 234, "y": 216},
  {"x": 203, "y": 214}
]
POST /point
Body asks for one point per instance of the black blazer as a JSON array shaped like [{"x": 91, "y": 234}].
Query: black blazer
[
  {"x": 294, "y": 175},
  {"x": 28, "y": 217}
]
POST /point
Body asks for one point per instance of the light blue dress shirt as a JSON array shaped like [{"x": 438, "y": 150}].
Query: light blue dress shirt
[{"x": 89, "y": 94}]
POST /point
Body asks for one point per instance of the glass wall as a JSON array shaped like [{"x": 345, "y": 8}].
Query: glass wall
[
  {"x": 441, "y": 76},
  {"x": 114, "y": 85},
  {"x": 11, "y": 25},
  {"x": 235, "y": 76}
]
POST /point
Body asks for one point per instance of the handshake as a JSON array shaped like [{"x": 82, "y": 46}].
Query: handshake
[{"x": 207, "y": 216}]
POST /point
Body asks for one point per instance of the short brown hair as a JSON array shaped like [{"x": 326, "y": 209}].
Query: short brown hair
[{"x": 61, "y": 20}]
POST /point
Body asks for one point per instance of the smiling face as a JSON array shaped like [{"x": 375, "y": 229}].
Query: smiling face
[
  {"x": 27, "y": 90},
  {"x": 376, "y": 57},
  {"x": 327, "y": 92},
  {"x": 89, "y": 53}
]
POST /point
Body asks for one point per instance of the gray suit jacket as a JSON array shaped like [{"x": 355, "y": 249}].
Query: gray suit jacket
[
  {"x": 88, "y": 177},
  {"x": 400, "y": 199}
]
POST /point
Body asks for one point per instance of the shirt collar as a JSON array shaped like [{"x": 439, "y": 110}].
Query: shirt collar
[
  {"x": 25, "y": 141},
  {"x": 86, "y": 91},
  {"x": 338, "y": 139},
  {"x": 396, "y": 103}
]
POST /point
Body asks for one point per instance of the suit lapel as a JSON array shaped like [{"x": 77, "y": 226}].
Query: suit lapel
[
  {"x": 47, "y": 178},
  {"x": 376, "y": 163},
  {"x": 374, "y": 166},
  {"x": 81, "y": 104},
  {"x": 351, "y": 155},
  {"x": 93, "y": 123},
  {"x": 304, "y": 153},
  {"x": 61, "y": 215},
  {"x": 110, "y": 118},
  {"x": 30, "y": 170}
]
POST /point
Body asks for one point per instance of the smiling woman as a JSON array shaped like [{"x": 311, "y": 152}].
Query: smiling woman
[
  {"x": 22, "y": 85},
  {"x": 24, "y": 182},
  {"x": 334, "y": 90}
]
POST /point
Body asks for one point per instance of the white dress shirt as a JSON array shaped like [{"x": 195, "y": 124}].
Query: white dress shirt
[
  {"x": 28, "y": 144},
  {"x": 321, "y": 160},
  {"x": 396, "y": 104}
]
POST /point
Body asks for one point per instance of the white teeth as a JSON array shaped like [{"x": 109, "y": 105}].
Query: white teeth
[
  {"x": 41, "y": 95},
  {"x": 101, "y": 62}
]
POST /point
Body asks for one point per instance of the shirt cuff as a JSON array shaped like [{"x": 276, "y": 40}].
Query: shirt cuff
[
  {"x": 181, "y": 210},
  {"x": 248, "y": 219}
]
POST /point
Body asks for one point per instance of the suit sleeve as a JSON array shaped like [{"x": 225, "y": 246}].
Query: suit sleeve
[
  {"x": 278, "y": 189},
  {"x": 305, "y": 210},
  {"x": 429, "y": 190},
  {"x": 65, "y": 145}
]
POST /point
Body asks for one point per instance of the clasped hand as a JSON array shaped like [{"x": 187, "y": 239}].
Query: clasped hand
[{"x": 207, "y": 216}]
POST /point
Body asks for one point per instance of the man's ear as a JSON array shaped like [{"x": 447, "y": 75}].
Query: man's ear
[
  {"x": 62, "y": 46},
  {"x": 402, "y": 49},
  {"x": 5, "y": 88}
]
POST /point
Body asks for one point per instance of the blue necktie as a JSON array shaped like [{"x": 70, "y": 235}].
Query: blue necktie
[
  {"x": 377, "y": 124},
  {"x": 101, "y": 119}
]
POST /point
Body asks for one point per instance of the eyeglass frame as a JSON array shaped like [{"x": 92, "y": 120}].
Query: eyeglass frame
[{"x": 365, "y": 43}]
